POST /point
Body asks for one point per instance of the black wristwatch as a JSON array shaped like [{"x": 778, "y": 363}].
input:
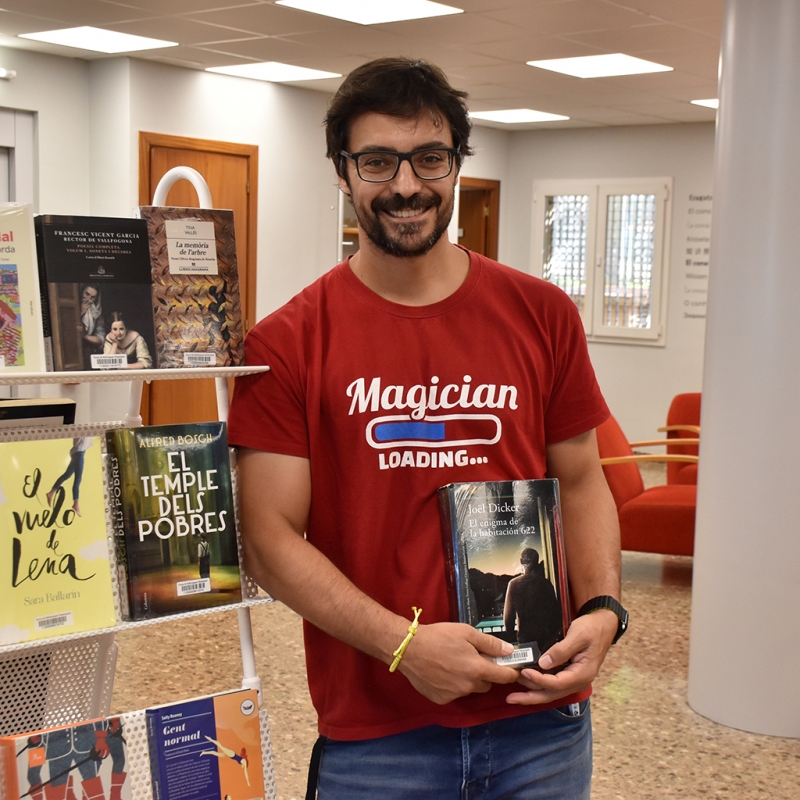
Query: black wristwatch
[{"x": 606, "y": 601}]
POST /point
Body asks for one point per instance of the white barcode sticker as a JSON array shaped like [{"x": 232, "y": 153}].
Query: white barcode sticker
[
  {"x": 522, "y": 656},
  {"x": 193, "y": 587},
  {"x": 53, "y": 621},
  {"x": 116, "y": 361},
  {"x": 200, "y": 359}
]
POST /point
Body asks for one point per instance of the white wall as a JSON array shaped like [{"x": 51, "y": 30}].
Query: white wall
[
  {"x": 638, "y": 381},
  {"x": 89, "y": 115},
  {"x": 56, "y": 90}
]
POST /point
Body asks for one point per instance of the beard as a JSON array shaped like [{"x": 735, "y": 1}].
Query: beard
[{"x": 408, "y": 239}]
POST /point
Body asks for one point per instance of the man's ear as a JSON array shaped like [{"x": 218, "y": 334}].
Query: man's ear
[{"x": 344, "y": 185}]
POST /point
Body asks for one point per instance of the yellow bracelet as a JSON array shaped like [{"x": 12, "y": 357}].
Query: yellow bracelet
[{"x": 412, "y": 629}]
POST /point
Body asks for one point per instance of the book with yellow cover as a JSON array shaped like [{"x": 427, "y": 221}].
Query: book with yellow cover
[{"x": 55, "y": 576}]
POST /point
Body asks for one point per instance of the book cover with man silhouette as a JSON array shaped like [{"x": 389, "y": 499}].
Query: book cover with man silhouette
[
  {"x": 55, "y": 575},
  {"x": 207, "y": 748},
  {"x": 84, "y": 759},
  {"x": 173, "y": 516},
  {"x": 504, "y": 552}
]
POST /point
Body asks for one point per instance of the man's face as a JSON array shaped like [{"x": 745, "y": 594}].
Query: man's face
[{"x": 406, "y": 216}]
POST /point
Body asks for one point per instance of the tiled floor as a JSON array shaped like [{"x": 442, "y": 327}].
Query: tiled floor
[{"x": 648, "y": 742}]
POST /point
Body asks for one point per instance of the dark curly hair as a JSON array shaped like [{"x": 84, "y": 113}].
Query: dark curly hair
[{"x": 402, "y": 88}]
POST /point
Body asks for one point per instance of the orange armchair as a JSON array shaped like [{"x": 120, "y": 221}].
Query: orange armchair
[
  {"x": 683, "y": 422},
  {"x": 655, "y": 520}
]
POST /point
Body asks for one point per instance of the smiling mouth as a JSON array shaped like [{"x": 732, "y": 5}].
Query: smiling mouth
[{"x": 405, "y": 213}]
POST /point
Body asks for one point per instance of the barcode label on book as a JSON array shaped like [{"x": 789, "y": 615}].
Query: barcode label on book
[
  {"x": 53, "y": 621},
  {"x": 117, "y": 361},
  {"x": 193, "y": 587},
  {"x": 200, "y": 359},
  {"x": 521, "y": 656}
]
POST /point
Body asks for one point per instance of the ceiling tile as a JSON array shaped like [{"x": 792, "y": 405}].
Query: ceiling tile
[
  {"x": 570, "y": 16},
  {"x": 645, "y": 39},
  {"x": 676, "y": 10},
  {"x": 270, "y": 20}
]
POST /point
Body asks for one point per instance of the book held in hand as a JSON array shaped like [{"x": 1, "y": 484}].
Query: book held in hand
[
  {"x": 98, "y": 298},
  {"x": 54, "y": 558},
  {"x": 196, "y": 303},
  {"x": 21, "y": 334},
  {"x": 504, "y": 553},
  {"x": 172, "y": 510},
  {"x": 85, "y": 759},
  {"x": 207, "y": 748}
]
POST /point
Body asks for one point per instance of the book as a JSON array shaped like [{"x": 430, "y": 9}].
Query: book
[
  {"x": 84, "y": 759},
  {"x": 98, "y": 297},
  {"x": 28, "y": 412},
  {"x": 196, "y": 303},
  {"x": 21, "y": 332},
  {"x": 506, "y": 572},
  {"x": 54, "y": 558},
  {"x": 173, "y": 517},
  {"x": 206, "y": 748}
]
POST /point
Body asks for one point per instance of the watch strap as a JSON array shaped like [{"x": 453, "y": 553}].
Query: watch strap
[{"x": 606, "y": 601}]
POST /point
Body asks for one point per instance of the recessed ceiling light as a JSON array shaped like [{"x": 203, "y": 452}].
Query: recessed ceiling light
[
  {"x": 511, "y": 115},
  {"x": 372, "y": 12},
  {"x": 98, "y": 40},
  {"x": 274, "y": 71},
  {"x": 600, "y": 66},
  {"x": 710, "y": 103}
]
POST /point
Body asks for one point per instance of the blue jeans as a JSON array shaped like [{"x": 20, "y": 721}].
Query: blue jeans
[{"x": 546, "y": 755}]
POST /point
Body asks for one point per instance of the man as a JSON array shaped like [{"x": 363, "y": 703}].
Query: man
[
  {"x": 413, "y": 365},
  {"x": 531, "y": 606}
]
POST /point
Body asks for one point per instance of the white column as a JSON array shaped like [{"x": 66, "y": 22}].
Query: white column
[{"x": 744, "y": 657}]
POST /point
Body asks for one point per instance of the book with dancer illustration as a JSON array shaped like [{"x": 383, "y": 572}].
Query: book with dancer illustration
[
  {"x": 206, "y": 748},
  {"x": 85, "y": 759},
  {"x": 196, "y": 302},
  {"x": 172, "y": 510},
  {"x": 98, "y": 298},
  {"x": 21, "y": 334},
  {"x": 54, "y": 559},
  {"x": 506, "y": 573}
]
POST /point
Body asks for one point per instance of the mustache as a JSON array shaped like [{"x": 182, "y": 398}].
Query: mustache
[{"x": 417, "y": 202}]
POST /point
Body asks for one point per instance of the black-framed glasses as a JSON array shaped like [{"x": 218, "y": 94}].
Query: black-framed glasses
[{"x": 380, "y": 166}]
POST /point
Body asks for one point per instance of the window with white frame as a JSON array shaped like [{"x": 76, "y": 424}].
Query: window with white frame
[{"x": 604, "y": 242}]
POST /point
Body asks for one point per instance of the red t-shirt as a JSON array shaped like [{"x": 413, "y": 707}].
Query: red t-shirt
[{"x": 498, "y": 370}]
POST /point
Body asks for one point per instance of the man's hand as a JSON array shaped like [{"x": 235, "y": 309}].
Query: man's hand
[
  {"x": 582, "y": 650},
  {"x": 446, "y": 660}
]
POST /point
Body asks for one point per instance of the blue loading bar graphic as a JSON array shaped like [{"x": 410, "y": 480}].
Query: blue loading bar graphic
[{"x": 420, "y": 431}]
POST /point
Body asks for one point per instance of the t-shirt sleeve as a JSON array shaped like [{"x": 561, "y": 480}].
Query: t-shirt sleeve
[
  {"x": 576, "y": 404},
  {"x": 268, "y": 409}
]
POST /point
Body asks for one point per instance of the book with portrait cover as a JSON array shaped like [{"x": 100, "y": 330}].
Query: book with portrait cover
[
  {"x": 206, "y": 748},
  {"x": 96, "y": 272},
  {"x": 171, "y": 505},
  {"x": 54, "y": 559},
  {"x": 504, "y": 552},
  {"x": 84, "y": 759},
  {"x": 21, "y": 332},
  {"x": 196, "y": 303}
]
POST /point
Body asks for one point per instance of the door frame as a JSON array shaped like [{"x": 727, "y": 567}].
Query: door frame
[
  {"x": 492, "y": 191},
  {"x": 250, "y": 151}
]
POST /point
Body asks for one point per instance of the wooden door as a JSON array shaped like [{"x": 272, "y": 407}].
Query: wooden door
[
  {"x": 231, "y": 172},
  {"x": 478, "y": 215}
]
